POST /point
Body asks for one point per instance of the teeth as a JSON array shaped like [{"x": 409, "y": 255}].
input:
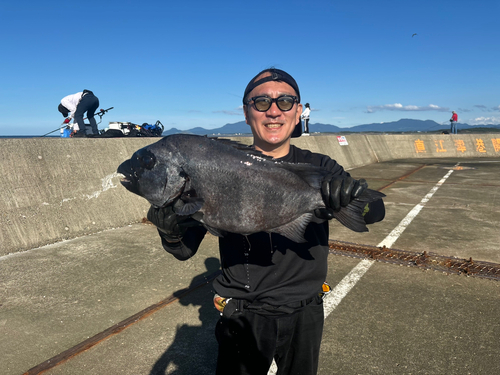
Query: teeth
[
  {"x": 122, "y": 177},
  {"x": 273, "y": 126}
]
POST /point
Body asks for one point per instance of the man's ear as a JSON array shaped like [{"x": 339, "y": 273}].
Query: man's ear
[
  {"x": 245, "y": 112},
  {"x": 299, "y": 112}
]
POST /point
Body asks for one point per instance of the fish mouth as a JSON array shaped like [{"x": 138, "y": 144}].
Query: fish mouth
[
  {"x": 128, "y": 184},
  {"x": 127, "y": 179},
  {"x": 124, "y": 180}
]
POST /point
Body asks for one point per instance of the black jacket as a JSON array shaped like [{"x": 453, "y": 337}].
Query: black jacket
[{"x": 268, "y": 267}]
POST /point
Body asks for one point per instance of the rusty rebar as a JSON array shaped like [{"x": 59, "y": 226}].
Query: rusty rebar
[{"x": 424, "y": 260}]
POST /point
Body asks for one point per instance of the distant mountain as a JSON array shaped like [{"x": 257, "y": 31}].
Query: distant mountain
[
  {"x": 324, "y": 128},
  {"x": 403, "y": 125},
  {"x": 228, "y": 129},
  {"x": 400, "y": 126}
]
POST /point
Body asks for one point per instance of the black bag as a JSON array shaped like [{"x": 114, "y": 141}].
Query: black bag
[
  {"x": 148, "y": 130},
  {"x": 112, "y": 133}
]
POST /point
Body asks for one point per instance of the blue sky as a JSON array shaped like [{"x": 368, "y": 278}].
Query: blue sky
[{"x": 187, "y": 63}]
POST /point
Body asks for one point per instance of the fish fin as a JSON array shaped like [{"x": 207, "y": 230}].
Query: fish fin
[
  {"x": 370, "y": 195},
  {"x": 191, "y": 205},
  {"x": 313, "y": 175},
  {"x": 248, "y": 149},
  {"x": 295, "y": 229},
  {"x": 309, "y": 173},
  {"x": 352, "y": 215},
  {"x": 198, "y": 216},
  {"x": 229, "y": 142},
  {"x": 216, "y": 232}
]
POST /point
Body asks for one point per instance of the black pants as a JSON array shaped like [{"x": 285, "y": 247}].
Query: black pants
[
  {"x": 89, "y": 103},
  {"x": 248, "y": 341}
]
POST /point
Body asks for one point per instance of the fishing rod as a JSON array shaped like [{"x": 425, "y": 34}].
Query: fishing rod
[
  {"x": 101, "y": 113},
  {"x": 61, "y": 126}
]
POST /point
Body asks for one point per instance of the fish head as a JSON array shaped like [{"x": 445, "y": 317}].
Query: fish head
[{"x": 154, "y": 175}]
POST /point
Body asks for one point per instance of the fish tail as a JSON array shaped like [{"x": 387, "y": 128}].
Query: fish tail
[{"x": 351, "y": 216}]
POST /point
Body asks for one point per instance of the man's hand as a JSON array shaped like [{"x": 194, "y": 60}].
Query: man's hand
[
  {"x": 173, "y": 226},
  {"x": 339, "y": 191},
  {"x": 67, "y": 120}
]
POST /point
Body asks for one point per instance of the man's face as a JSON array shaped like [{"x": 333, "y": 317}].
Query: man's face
[{"x": 272, "y": 129}]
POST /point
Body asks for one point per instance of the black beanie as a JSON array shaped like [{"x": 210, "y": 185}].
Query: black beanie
[
  {"x": 63, "y": 110},
  {"x": 276, "y": 75}
]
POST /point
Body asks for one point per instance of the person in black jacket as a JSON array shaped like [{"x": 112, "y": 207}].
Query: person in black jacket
[{"x": 269, "y": 290}]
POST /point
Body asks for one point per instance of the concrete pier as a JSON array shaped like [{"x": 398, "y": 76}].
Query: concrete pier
[
  {"x": 57, "y": 189},
  {"x": 76, "y": 261}
]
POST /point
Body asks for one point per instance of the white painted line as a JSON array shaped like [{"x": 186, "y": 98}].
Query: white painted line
[
  {"x": 338, "y": 293},
  {"x": 332, "y": 300},
  {"x": 396, "y": 232}
]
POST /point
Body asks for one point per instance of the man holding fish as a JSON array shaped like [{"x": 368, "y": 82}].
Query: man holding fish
[{"x": 269, "y": 292}]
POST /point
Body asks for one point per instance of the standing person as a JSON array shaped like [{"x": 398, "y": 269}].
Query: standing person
[
  {"x": 268, "y": 291},
  {"x": 453, "y": 122},
  {"x": 305, "y": 116},
  {"x": 77, "y": 104}
]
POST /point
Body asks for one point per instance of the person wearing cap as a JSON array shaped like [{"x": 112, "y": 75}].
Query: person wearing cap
[
  {"x": 453, "y": 122},
  {"x": 269, "y": 290},
  {"x": 305, "y": 117},
  {"x": 74, "y": 106}
]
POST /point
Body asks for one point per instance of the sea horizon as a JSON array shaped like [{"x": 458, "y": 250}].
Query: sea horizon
[{"x": 30, "y": 136}]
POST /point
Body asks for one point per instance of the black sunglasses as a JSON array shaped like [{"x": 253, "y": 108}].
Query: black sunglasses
[{"x": 263, "y": 103}]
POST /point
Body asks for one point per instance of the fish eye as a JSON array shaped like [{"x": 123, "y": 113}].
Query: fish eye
[
  {"x": 148, "y": 162},
  {"x": 147, "y": 159}
]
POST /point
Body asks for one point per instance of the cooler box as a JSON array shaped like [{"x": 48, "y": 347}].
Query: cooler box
[{"x": 124, "y": 127}]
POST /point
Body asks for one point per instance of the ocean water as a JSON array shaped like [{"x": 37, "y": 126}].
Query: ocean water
[{"x": 30, "y": 136}]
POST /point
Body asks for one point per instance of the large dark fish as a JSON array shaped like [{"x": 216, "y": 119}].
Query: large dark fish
[{"x": 230, "y": 187}]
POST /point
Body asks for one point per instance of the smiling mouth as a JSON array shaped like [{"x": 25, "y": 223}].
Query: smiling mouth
[{"x": 273, "y": 126}]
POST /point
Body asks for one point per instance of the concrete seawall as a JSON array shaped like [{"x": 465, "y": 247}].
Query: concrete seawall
[{"x": 57, "y": 189}]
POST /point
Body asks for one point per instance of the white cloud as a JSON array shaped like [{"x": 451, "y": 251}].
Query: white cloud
[
  {"x": 405, "y": 108},
  {"x": 231, "y": 113},
  {"x": 484, "y": 121},
  {"x": 497, "y": 108}
]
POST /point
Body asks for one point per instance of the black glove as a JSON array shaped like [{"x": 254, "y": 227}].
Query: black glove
[
  {"x": 339, "y": 191},
  {"x": 172, "y": 226}
]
